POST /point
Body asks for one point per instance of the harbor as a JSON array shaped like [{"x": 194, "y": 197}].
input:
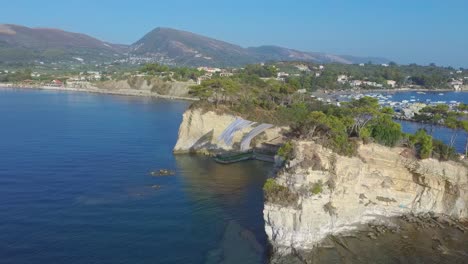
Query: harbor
[{"x": 404, "y": 103}]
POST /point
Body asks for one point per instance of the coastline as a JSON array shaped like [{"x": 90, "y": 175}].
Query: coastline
[
  {"x": 320, "y": 93},
  {"x": 127, "y": 92}
]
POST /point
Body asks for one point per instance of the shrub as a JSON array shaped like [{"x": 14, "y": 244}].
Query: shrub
[
  {"x": 286, "y": 151},
  {"x": 423, "y": 143},
  {"x": 443, "y": 151},
  {"x": 385, "y": 131},
  {"x": 279, "y": 194},
  {"x": 331, "y": 130},
  {"x": 366, "y": 135},
  {"x": 317, "y": 187}
]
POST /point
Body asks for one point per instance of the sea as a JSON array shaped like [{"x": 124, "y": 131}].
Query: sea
[
  {"x": 439, "y": 132},
  {"x": 76, "y": 186}
]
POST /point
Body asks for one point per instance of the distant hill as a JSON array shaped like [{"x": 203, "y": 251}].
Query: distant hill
[
  {"x": 186, "y": 48},
  {"x": 23, "y": 44},
  {"x": 163, "y": 45}
]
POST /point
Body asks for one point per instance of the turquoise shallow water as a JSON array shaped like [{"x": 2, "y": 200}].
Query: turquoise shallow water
[{"x": 75, "y": 186}]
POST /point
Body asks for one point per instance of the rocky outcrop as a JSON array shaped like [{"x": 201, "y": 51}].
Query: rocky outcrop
[
  {"x": 200, "y": 132},
  {"x": 337, "y": 194}
]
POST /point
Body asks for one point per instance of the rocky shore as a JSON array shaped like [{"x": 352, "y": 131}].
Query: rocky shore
[
  {"x": 376, "y": 186},
  {"x": 423, "y": 238}
]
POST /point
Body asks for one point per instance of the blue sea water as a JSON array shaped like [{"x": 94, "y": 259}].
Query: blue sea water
[
  {"x": 75, "y": 186},
  {"x": 439, "y": 132}
]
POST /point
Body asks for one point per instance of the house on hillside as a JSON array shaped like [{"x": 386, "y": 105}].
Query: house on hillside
[
  {"x": 303, "y": 67},
  {"x": 56, "y": 83},
  {"x": 342, "y": 79},
  {"x": 226, "y": 74},
  {"x": 203, "y": 78},
  {"x": 355, "y": 83},
  {"x": 456, "y": 84},
  {"x": 209, "y": 69},
  {"x": 391, "y": 83}
]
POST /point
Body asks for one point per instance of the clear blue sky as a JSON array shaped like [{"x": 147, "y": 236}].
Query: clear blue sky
[{"x": 405, "y": 31}]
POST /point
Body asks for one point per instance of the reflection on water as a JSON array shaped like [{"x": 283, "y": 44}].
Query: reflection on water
[
  {"x": 438, "y": 132},
  {"x": 75, "y": 186},
  {"x": 232, "y": 194}
]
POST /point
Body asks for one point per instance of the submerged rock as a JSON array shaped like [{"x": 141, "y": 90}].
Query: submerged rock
[{"x": 163, "y": 172}]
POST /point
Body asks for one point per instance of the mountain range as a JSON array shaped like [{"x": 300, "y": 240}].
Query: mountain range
[{"x": 164, "y": 45}]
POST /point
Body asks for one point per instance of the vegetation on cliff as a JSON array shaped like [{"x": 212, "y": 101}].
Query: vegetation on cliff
[
  {"x": 339, "y": 128},
  {"x": 279, "y": 194}
]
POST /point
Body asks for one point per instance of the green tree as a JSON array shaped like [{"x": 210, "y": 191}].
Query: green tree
[
  {"x": 423, "y": 143},
  {"x": 385, "y": 131}
]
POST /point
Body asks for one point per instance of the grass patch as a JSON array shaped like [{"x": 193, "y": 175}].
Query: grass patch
[{"x": 317, "y": 188}]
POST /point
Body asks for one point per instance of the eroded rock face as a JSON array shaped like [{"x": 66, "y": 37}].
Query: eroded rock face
[
  {"x": 379, "y": 183},
  {"x": 200, "y": 131}
]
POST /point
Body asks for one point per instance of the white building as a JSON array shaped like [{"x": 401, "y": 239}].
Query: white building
[
  {"x": 203, "y": 78},
  {"x": 209, "y": 69},
  {"x": 391, "y": 83},
  {"x": 282, "y": 74},
  {"x": 342, "y": 78},
  {"x": 226, "y": 74},
  {"x": 302, "y": 67},
  {"x": 356, "y": 83},
  {"x": 456, "y": 84}
]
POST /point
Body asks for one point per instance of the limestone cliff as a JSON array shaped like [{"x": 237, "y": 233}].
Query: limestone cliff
[
  {"x": 333, "y": 193},
  {"x": 148, "y": 85},
  {"x": 200, "y": 132}
]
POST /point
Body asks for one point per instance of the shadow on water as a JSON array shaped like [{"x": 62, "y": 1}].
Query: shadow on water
[{"x": 235, "y": 194}]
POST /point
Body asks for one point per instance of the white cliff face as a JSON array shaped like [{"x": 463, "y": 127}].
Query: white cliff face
[
  {"x": 200, "y": 131},
  {"x": 379, "y": 183}
]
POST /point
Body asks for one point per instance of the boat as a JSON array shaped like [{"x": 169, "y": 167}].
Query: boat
[{"x": 441, "y": 94}]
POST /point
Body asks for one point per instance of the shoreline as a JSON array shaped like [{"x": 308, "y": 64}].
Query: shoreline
[
  {"x": 139, "y": 93},
  {"x": 366, "y": 91}
]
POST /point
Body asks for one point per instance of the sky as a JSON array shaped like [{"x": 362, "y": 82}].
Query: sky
[{"x": 404, "y": 31}]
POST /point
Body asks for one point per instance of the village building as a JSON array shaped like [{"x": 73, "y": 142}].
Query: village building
[
  {"x": 209, "y": 69},
  {"x": 355, "y": 83},
  {"x": 342, "y": 79},
  {"x": 391, "y": 83},
  {"x": 226, "y": 74}
]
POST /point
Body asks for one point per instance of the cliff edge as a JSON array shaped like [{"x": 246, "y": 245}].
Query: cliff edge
[
  {"x": 210, "y": 132},
  {"x": 330, "y": 194}
]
